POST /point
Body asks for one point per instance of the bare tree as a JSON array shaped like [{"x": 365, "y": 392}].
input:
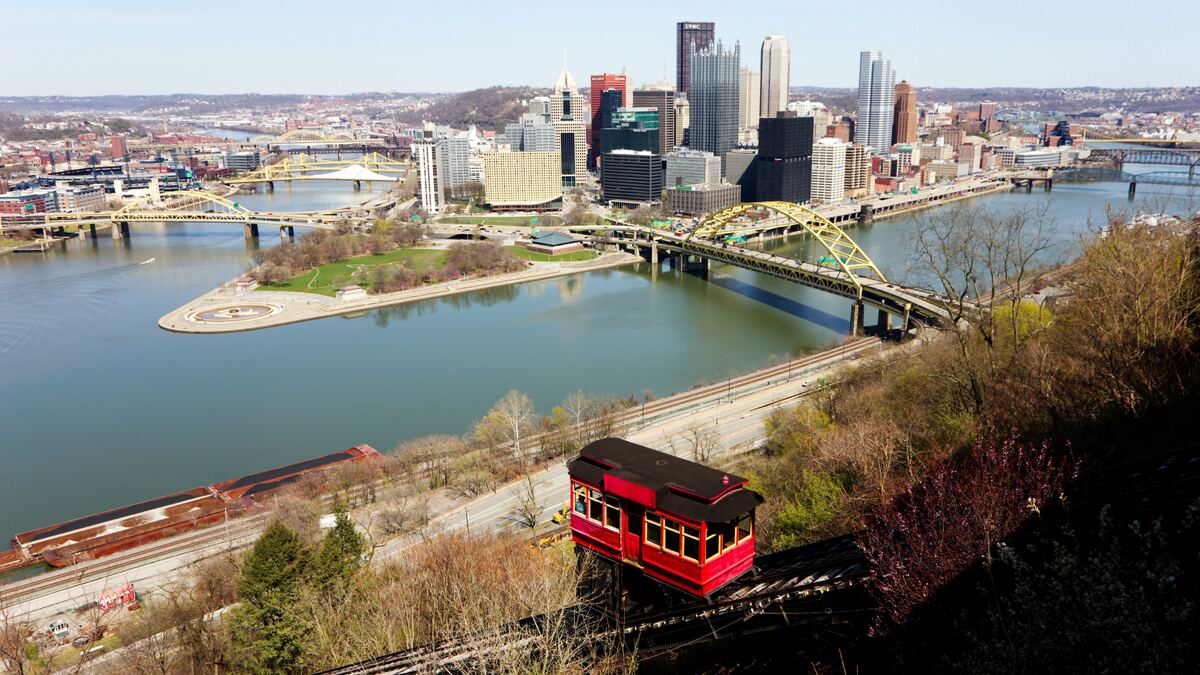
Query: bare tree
[
  {"x": 511, "y": 419},
  {"x": 699, "y": 442},
  {"x": 980, "y": 263},
  {"x": 18, "y": 653},
  {"x": 527, "y": 511}
]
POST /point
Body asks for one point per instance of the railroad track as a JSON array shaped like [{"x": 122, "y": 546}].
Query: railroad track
[
  {"x": 24, "y": 591},
  {"x": 243, "y": 526},
  {"x": 805, "y": 585}
]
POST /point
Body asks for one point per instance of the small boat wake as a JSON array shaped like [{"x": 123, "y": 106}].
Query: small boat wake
[{"x": 147, "y": 261}]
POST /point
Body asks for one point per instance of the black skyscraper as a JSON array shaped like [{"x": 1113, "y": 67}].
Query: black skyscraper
[
  {"x": 784, "y": 158},
  {"x": 688, "y": 33},
  {"x": 610, "y": 100}
]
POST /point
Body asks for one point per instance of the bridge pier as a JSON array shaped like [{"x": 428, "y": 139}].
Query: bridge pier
[
  {"x": 250, "y": 230},
  {"x": 866, "y": 214},
  {"x": 699, "y": 265},
  {"x": 883, "y": 324},
  {"x": 120, "y": 230},
  {"x": 1048, "y": 184},
  {"x": 905, "y": 325},
  {"x": 92, "y": 230},
  {"x": 357, "y": 186},
  {"x": 856, "y": 318},
  {"x": 270, "y": 186},
  {"x": 654, "y": 253},
  {"x": 1132, "y": 189}
]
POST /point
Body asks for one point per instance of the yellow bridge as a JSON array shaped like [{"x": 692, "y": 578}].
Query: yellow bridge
[
  {"x": 306, "y": 167},
  {"x": 845, "y": 270},
  {"x": 186, "y": 206},
  {"x": 313, "y": 137}
]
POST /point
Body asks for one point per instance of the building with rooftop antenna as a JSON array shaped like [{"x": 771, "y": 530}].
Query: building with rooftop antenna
[{"x": 570, "y": 126}]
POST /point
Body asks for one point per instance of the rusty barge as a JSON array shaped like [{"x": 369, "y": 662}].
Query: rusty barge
[{"x": 120, "y": 529}]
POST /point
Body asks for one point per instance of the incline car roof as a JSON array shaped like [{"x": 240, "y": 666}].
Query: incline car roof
[{"x": 660, "y": 472}]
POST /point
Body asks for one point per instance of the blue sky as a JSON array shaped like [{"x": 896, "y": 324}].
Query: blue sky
[{"x": 83, "y": 47}]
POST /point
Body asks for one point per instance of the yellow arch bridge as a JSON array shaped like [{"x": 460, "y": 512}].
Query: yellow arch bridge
[
  {"x": 846, "y": 270},
  {"x": 306, "y": 167},
  {"x": 185, "y": 206}
]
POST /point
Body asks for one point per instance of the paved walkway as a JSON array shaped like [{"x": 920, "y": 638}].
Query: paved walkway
[{"x": 228, "y": 310}]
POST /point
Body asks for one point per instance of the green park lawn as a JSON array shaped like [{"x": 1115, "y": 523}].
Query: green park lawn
[
  {"x": 534, "y": 256},
  {"x": 12, "y": 243},
  {"x": 326, "y": 279},
  {"x": 510, "y": 221}
]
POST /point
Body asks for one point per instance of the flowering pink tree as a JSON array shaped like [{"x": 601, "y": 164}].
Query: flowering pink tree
[{"x": 954, "y": 517}]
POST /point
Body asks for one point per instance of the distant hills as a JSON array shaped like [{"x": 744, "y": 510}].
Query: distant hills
[{"x": 490, "y": 107}]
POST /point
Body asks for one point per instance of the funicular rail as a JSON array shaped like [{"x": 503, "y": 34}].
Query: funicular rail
[{"x": 815, "y": 584}]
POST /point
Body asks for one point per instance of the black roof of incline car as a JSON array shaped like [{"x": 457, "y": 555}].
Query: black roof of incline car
[{"x": 682, "y": 487}]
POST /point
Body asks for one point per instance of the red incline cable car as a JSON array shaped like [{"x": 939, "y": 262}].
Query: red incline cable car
[{"x": 685, "y": 524}]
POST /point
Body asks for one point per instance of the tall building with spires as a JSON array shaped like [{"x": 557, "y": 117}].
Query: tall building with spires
[
  {"x": 688, "y": 34},
  {"x": 775, "y": 73},
  {"x": 876, "y": 102},
  {"x": 713, "y": 97},
  {"x": 567, "y": 116}
]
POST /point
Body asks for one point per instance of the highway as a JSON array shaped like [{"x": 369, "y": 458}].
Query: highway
[{"x": 734, "y": 411}]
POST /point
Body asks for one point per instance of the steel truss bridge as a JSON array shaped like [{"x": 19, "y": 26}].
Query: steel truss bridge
[
  {"x": 847, "y": 270},
  {"x": 1190, "y": 178},
  {"x": 313, "y": 137},
  {"x": 1162, "y": 156},
  {"x": 187, "y": 206},
  {"x": 306, "y": 167}
]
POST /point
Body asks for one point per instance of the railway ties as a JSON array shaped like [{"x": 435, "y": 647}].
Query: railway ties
[{"x": 814, "y": 584}]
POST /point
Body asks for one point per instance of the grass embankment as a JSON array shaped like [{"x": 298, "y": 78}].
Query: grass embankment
[
  {"x": 534, "y": 256},
  {"x": 510, "y": 221},
  {"x": 13, "y": 243},
  {"x": 326, "y": 279}
]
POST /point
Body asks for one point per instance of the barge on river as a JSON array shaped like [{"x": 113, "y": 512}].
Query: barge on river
[{"x": 127, "y": 527}]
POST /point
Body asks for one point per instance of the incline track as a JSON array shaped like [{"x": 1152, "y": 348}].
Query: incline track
[{"x": 818, "y": 583}]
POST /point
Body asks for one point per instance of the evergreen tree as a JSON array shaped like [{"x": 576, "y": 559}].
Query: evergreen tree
[
  {"x": 340, "y": 555},
  {"x": 269, "y": 633}
]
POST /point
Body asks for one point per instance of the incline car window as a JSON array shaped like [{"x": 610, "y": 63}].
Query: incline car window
[
  {"x": 654, "y": 529},
  {"x": 691, "y": 542},
  {"x": 670, "y": 536},
  {"x": 612, "y": 512},
  {"x": 580, "y": 499},
  {"x": 595, "y": 505}
]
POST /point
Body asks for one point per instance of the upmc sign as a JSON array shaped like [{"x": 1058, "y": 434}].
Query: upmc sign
[{"x": 692, "y": 26}]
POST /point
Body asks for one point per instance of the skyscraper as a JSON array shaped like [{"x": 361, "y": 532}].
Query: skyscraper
[
  {"x": 601, "y": 83},
  {"x": 829, "y": 171},
  {"x": 566, "y": 114},
  {"x": 430, "y": 188},
  {"x": 748, "y": 101},
  {"x": 784, "y": 164},
  {"x": 687, "y": 34},
  {"x": 776, "y": 69},
  {"x": 713, "y": 94},
  {"x": 611, "y": 100},
  {"x": 876, "y": 101},
  {"x": 905, "y": 114},
  {"x": 662, "y": 100}
]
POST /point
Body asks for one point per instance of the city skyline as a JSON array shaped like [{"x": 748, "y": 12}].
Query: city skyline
[{"x": 344, "y": 61}]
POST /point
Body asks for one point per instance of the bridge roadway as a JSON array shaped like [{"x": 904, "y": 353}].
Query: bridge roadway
[{"x": 894, "y": 299}]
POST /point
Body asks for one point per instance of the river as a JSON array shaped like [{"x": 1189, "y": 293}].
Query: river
[{"x": 99, "y": 407}]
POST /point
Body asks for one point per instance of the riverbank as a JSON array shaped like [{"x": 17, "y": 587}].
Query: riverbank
[{"x": 228, "y": 309}]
